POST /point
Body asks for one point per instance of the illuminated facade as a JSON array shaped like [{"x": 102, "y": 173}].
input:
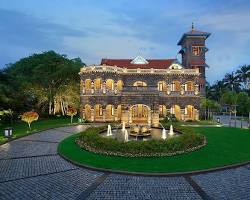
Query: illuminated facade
[{"x": 142, "y": 91}]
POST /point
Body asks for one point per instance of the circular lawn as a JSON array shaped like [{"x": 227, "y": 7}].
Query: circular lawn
[{"x": 225, "y": 146}]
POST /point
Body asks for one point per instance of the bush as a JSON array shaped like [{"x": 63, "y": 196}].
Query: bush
[{"x": 91, "y": 140}]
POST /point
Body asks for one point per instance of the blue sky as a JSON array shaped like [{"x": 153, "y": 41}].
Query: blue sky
[{"x": 95, "y": 29}]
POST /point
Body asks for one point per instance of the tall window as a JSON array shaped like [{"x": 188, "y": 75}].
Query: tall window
[
  {"x": 196, "y": 51},
  {"x": 175, "y": 86},
  {"x": 161, "y": 86}
]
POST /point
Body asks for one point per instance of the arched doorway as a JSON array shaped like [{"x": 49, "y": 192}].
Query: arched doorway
[
  {"x": 176, "y": 110},
  {"x": 87, "y": 112},
  {"x": 189, "y": 112},
  {"x": 162, "y": 111},
  {"x": 109, "y": 112},
  {"x": 140, "y": 114}
]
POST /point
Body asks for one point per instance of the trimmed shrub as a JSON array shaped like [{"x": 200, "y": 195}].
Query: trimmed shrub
[{"x": 91, "y": 140}]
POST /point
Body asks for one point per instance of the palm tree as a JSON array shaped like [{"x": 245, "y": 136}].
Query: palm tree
[
  {"x": 232, "y": 81},
  {"x": 244, "y": 75}
]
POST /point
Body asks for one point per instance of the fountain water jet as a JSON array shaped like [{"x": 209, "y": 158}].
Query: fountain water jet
[
  {"x": 164, "y": 134},
  {"x": 126, "y": 135},
  {"x": 109, "y": 132},
  {"x": 171, "y": 131},
  {"x": 123, "y": 126}
]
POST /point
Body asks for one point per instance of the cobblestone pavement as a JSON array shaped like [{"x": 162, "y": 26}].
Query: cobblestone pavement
[{"x": 31, "y": 169}]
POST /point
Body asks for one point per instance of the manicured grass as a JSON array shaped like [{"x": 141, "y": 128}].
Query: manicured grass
[
  {"x": 225, "y": 146},
  {"x": 21, "y": 128}
]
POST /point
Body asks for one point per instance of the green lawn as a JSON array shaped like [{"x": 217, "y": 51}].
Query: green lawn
[
  {"x": 20, "y": 128},
  {"x": 225, "y": 146}
]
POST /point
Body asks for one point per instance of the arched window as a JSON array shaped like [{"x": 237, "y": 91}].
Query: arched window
[
  {"x": 88, "y": 84},
  {"x": 189, "y": 112},
  {"x": 140, "y": 84},
  {"x": 98, "y": 84},
  {"x": 189, "y": 86},
  {"x": 109, "y": 84},
  {"x": 162, "y": 111},
  {"x": 161, "y": 86},
  {"x": 175, "y": 86},
  {"x": 176, "y": 110},
  {"x": 109, "y": 111},
  {"x": 119, "y": 85},
  {"x": 98, "y": 110},
  {"x": 119, "y": 112},
  {"x": 87, "y": 112}
]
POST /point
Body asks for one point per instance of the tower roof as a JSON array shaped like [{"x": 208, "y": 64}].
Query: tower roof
[{"x": 193, "y": 32}]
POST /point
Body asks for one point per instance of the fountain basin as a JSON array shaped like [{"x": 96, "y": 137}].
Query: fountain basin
[{"x": 155, "y": 133}]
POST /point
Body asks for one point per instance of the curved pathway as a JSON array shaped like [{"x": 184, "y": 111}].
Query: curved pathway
[{"x": 30, "y": 168}]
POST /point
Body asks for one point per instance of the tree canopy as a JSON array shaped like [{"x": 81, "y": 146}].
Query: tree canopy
[{"x": 35, "y": 82}]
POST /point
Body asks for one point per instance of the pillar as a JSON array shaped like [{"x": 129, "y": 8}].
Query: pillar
[
  {"x": 104, "y": 112},
  {"x": 197, "y": 113},
  {"x": 115, "y": 114},
  {"x": 182, "y": 114},
  {"x": 183, "y": 89},
  {"x": 92, "y": 115},
  {"x": 155, "y": 118},
  {"x": 115, "y": 87},
  {"x": 104, "y": 87},
  {"x": 83, "y": 86},
  {"x": 125, "y": 116},
  {"x": 92, "y": 87},
  {"x": 168, "y": 88},
  {"x": 83, "y": 113},
  {"x": 196, "y": 89},
  {"x": 149, "y": 117}
]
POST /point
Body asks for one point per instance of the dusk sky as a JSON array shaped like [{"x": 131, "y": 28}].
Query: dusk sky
[{"x": 98, "y": 29}]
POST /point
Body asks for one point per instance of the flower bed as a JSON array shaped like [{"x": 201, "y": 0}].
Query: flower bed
[{"x": 188, "y": 141}]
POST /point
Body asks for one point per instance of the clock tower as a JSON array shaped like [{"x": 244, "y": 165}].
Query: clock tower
[{"x": 193, "y": 51}]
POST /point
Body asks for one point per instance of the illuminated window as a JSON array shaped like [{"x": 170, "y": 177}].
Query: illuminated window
[
  {"x": 196, "y": 51},
  {"x": 161, "y": 86},
  {"x": 189, "y": 86},
  {"x": 140, "y": 84},
  {"x": 175, "y": 86}
]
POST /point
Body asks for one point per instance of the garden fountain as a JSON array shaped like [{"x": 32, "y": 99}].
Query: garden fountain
[
  {"x": 139, "y": 132},
  {"x": 123, "y": 126},
  {"x": 126, "y": 135},
  {"x": 164, "y": 134},
  {"x": 171, "y": 131},
  {"x": 109, "y": 131}
]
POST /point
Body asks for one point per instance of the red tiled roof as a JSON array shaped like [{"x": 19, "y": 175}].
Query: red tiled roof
[{"x": 152, "y": 63}]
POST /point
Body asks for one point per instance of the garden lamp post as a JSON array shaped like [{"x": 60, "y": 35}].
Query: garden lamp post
[{"x": 8, "y": 132}]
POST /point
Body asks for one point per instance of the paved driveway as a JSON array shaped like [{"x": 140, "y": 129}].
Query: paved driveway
[
  {"x": 225, "y": 120},
  {"x": 30, "y": 168}
]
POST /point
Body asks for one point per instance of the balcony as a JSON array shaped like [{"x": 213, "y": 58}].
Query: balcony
[{"x": 140, "y": 90}]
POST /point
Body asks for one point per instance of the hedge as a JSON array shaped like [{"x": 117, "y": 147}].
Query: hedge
[{"x": 91, "y": 140}]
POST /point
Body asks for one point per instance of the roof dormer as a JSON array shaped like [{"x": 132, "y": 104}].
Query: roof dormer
[{"x": 139, "y": 60}]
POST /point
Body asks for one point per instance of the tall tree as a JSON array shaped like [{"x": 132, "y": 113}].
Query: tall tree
[
  {"x": 244, "y": 75},
  {"x": 232, "y": 81},
  {"x": 40, "y": 76}
]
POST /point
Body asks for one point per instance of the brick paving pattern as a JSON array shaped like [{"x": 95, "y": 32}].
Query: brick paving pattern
[
  {"x": 134, "y": 187},
  {"x": 31, "y": 169}
]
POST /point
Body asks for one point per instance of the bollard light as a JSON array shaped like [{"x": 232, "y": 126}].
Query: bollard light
[
  {"x": 218, "y": 120},
  {"x": 8, "y": 132}
]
